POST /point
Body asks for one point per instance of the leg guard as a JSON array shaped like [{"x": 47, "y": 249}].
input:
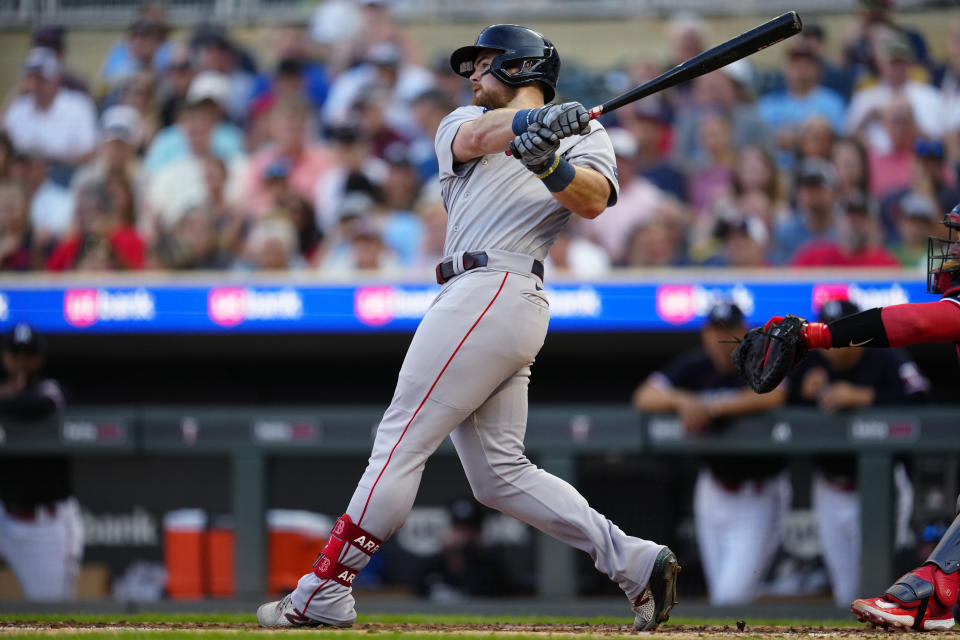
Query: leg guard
[
  {"x": 927, "y": 591},
  {"x": 328, "y": 566},
  {"x": 946, "y": 555}
]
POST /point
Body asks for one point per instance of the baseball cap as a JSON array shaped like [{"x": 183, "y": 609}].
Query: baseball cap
[
  {"x": 120, "y": 122},
  {"x": 624, "y": 144},
  {"x": 896, "y": 47},
  {"x": 43, "y": 61},
  {"x": 726, "y": 315},
  {"x": 384, "y": 54},
  {"x": 802, "y": 47},
  {"x": 49, "y": 36},
  {"x": 836, "y": 309},
  {"x": 816, "y": 172},
  {"x": 466, "y": 511},
  {"x": 209, "y": 85},
  {"x": 23, "y": 339},
  {"x": 917, "y": 205}
]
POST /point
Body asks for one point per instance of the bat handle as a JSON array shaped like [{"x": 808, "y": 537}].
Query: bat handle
[{"x": 595, "y": 112}]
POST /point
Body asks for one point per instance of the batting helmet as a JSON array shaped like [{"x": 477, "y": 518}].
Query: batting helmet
[
  {"x": 535, "y": 56},
  {"x": 943, "y": 256}
]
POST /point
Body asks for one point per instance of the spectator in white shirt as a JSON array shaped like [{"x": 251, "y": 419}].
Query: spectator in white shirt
[
  {"x": 864, "y": 115},
  {"x": 47, "y": 119}
]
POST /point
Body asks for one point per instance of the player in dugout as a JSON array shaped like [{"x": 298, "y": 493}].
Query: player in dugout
[{"x": 923, "y": 599}]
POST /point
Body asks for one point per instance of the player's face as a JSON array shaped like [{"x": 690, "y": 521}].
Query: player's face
[{"x": 488, "y": 92}]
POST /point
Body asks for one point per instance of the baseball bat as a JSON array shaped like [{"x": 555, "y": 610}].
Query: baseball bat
[{"x": 745, "y": 44}]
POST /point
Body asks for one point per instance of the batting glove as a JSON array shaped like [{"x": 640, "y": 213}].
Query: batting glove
[
  {"x": 536, "y": 148},
  {"x": 565, "y": 120}
]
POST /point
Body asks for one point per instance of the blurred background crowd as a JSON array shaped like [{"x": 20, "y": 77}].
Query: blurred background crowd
[{"x": 191, "y": 152}]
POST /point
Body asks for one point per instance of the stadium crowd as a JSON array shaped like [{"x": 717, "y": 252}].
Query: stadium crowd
[{"x": 188, "y": 153}]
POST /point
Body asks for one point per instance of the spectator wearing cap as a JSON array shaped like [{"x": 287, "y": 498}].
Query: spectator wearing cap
[
  {"x": 355, "y": 170},
  {"x": 271, "y": 246},
  {"x": 145, "y": 48},
  {"x": 216, "y": 52},
  {"x": 574, "y": 255},
  {"x": 638, "y": 199},
  {"x": 816, "y": 214},
  {"x": 865, "y": 113},
  {"x": 858, "y": 243},
  {"x": 646, "y": 121},
  {"x": 875, "y": 22},
  {"x": 832, "y": 75},
  {"x": 804, "y": 96},
  {"x": 100, "y": 240},
  {"x": 358, "y": 244},
  {"x": 200, "y": 126},
  {"x": 119, "y": 127},
  {"x": 51, "y": 205},
  {"x": 19, "y": 250},
  {"x": 842, "y": 380},
  {"x": 738, "y": 504},
  {"x": 174, "y": 83},
  {"x": 48, "y": 119},
  {"x": 41, "y": 530},
  {"x": 917, "y": 218},
  {"x": 54, "y": 38},
  {"x": 428, "y": 110},
  {"x": 298, "y": 71},
  {"x": 384, "y": 69},
  {"x": 401, "y": 188},
  {"x": 930, "y": 178},
  {"x": 740, "y": 240},
  {"x": 292, "y": 150}
]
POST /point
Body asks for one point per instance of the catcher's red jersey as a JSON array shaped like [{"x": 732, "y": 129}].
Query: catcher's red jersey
[{"x": 912, "y": 323}]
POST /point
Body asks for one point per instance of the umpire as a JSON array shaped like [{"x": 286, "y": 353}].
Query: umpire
[
  {"x": 739, "y": 504},
  {"x": 41, "y": 533}
]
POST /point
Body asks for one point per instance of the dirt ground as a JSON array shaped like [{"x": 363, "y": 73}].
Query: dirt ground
[{"x": 671, "y": 631}]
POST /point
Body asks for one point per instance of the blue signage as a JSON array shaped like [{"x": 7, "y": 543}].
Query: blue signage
[{"x": 611, "y": 305}]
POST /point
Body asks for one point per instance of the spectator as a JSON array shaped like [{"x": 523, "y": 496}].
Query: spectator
[
  {"x": 140, "y": 92},
  {"x": 174, "y": 84},
  {"x": 839, "y": 78},
  {"x": 299, "y": 212},
  {"x": 815, "y": 217},
  {"x": 865, "y": 113},
  {"x": 54, "y": 38},
  {"x": 50, "y": 120},
  {"x": 875, "y": 23},
  {"x": 756, "y": 173},
  {"x": 658, "y": 241},
  {"x": 645, "y": 121},
  {"x": 41, "y": 531},
  {"x": 816, "y": 139},
  {"x": 739, "y": 504},
  {"x": 572, "y": 254},
  {"x": 930, "y": 179},
  {"x": 859, "y": 242},
  {"x": 272, "y": 246},
  {"x": 852, "y": 169},
  {"x": 804, "y": 96},
  {"x": 360, "y": 247},
  {"x": 117, "y": 151},
  {"x": 99, "y": 241},
  {"x": 892, "y": 170},
  {"x": 384, "y": 69},
  {"x": 433, "y": 218},
  {"x": 291, "y": 144},
  {"x": 427, "y": 110},
  {"x": 354, "y": 170},
  {"x": 739, "y": 240},
  {"x": 401, "y": 189},
  {"x": 917, "y": 219},
  {"x": 713, "y": 179},
  {"x": 144, "y": 49},
  {"x": 200, "y": 126},
  {"x": 7, "y": 154},
  {"x": 297, "y": 74},
  {"x": 19, "y": 250},
  {"x": 638, "y": 199},
  {"x": 369, "y": 114},
  {"x": 686, "y": 37},
  {"x": 216, "y": 53},
  {"x": 838, "y": 380},
  {"x": 51, "y": 205},
  {"x": 192, "y": 243}
]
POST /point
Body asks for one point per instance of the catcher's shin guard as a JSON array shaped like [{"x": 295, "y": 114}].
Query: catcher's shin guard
[
  {"x": 328, "y": 566},
  {"x": 946, "y": 555},
  {"x": 922, "y": 600}
]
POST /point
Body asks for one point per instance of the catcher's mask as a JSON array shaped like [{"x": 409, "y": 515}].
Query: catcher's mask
[
  {"x": 536, "y": 57},
  {"x": 943, "y": 256}
]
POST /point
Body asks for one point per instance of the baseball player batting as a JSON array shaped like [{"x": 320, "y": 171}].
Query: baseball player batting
[
  {"x": 923, "y": 599},
  {"x": 467, "y": 369}
]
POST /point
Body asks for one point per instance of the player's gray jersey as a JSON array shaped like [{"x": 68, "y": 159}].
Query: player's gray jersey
[{"x": 494, "y": 202}]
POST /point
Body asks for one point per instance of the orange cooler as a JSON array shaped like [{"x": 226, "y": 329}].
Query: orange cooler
[
  {"x": 183, "y": 551},
  {"x": 294, "y": 540},
  {"x": 220, "y": 543}
]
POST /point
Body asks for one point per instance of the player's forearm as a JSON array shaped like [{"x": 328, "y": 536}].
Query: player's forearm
[
  {"x": 490, "y": 133},
  {"x": 894, "y": 326},
  {"x": 650, "y": 397},
  {"x": 586, "y": 195}
]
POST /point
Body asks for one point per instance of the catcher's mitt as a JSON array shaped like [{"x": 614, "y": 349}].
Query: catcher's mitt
[{"x": 767, "y": 353}]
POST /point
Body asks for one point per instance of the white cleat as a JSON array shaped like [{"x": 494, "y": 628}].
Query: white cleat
[{"x": 282, "y": 613}]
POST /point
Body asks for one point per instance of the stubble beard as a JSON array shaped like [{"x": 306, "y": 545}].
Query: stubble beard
[{"x": 494, "y": 99}]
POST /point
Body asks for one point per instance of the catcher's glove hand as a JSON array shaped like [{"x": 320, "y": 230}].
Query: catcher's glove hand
[{"x": 767, "y": 353}]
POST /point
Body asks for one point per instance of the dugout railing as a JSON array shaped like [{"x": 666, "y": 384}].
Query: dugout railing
[{"x": 556, "y": 436}]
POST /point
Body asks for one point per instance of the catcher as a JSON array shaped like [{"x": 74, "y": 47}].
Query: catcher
[{"x": 924, "y": 598}]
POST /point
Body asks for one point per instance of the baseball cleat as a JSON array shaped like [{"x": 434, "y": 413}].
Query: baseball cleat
[
  {"x": 653, "y": 605},
  {"x": 890, "y": 614},
  {"x": 282, "y": 613}
]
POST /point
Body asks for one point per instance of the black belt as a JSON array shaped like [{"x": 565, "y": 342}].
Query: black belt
[{"x": 473, "y": 260}]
